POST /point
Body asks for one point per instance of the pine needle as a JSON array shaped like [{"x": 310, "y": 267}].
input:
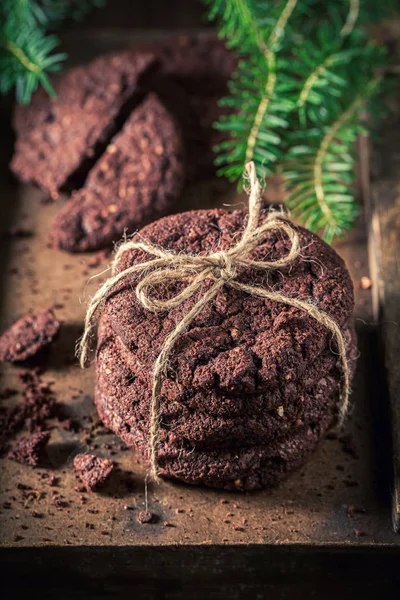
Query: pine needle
[
  {"x": 27, "y": 57},
  {"x": 307, "y": 71}
]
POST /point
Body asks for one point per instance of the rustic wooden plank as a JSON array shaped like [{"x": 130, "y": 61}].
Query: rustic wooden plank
[
  {"x": 201, "y": 573},
  {"x": 311, "y": 508},
  {"x": 383, "y": 202},
  {"x": 336, "y": 502}
]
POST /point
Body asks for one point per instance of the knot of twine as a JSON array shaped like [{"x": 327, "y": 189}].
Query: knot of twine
[{"x": 220, "y": 267}]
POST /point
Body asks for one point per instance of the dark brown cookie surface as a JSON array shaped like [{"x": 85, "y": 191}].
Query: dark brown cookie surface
[
  {"x": 243, "y": 468},
  {"x": 238, "y": 343},
  {"x": 211, "y": 418},
  {"x": 59, "y": 138},
  {"x": 92, "y": 470},
  {"x": 137, "y": 179},
  {"x": 28, "y": 336},
  {"x": 252, "y": 384},
  {"x": 234, "y": 467}
]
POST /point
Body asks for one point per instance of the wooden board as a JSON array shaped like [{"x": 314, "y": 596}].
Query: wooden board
[
  {"x": 383, "y": 204},
  {"x": 337, "y": 505},
  {"x": 312, "y": 507}
]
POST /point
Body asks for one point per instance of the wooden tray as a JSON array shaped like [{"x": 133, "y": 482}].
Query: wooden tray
[{"x": 326, "y": 529}]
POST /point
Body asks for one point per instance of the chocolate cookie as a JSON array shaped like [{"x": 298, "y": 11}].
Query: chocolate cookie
[
  {"x": 239, "y": 342},
  {"x": 242, "y": 468},
  {"x": 206, "y": 419},
  {"x": 234, "y": 467},
  {"x": 28, "y": 336},
  {"x": 252, "y": 384},
  {"x": 137, "y": 179},
  {"x": 59, "y": 139}
]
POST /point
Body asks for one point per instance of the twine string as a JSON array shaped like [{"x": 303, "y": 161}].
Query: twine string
[{"x": 222, "y": 268}]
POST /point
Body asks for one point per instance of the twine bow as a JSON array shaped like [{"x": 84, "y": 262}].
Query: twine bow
[{"x": 222, "y": 268}]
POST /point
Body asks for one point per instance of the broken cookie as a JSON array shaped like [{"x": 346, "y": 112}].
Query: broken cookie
[
  {"x": 92, "y": 470},
  {"x": 30, "y": 450},
  {"x": 60, "y": 138},
  {"x": 136, "y": 180},
  {"x": 28, "y": 336}
]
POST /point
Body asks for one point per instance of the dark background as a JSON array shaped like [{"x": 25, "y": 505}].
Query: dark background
[{"x": 152, "y": 14}]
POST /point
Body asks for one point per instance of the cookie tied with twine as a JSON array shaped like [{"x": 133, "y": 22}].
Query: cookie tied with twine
[{"x": 222, "y": 268}]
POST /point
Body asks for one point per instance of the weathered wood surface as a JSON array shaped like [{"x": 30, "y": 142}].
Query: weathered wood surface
[
  {"x": 315, "y": 506},
  {"x": 202, "y": 573},
  {"x": 339, "y": 501},
  {"x": 383, "y": 204}
]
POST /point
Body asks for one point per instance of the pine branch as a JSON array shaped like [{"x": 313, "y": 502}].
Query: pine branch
[
  {"x": 256, "y": 29},
  {"x": 352, "y": 18},
  {"x": 269, "y": 54},
  {"x": 322, "y": 190},
  {"x": 238, "y": 26},
  {"x": 296, "y": 99},
  {"x": 371, "y": 11},
  {"x": 262, "y": 108},
  {"x": 257, "y": 121},
  {"x": 27, "y": 55},
  {"x": 324, "y": 80},
  {"x": 322, "y": 184}
]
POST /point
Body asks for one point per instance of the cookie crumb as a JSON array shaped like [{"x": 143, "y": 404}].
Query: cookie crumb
[
  {"x": 365, "y": 283},
  {"x": 359, "y": 533},
  {"x": 29, "y": 335},
  {"x": 92, "y": 470},
  {"x": 146, "y": 516},
  {"x": 30, "y": 450}
]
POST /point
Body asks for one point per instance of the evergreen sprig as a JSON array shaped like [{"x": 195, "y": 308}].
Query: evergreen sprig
[
  {"x": 259, "y": 102},
  {"x": 26, "y": 48},
  {"x": 307, "y": 70}
]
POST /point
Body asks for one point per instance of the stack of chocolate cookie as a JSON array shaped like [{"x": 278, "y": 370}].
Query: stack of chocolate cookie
[
  {"x": 252, "y": 385},
  {"x": 126, "y": 131}
]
